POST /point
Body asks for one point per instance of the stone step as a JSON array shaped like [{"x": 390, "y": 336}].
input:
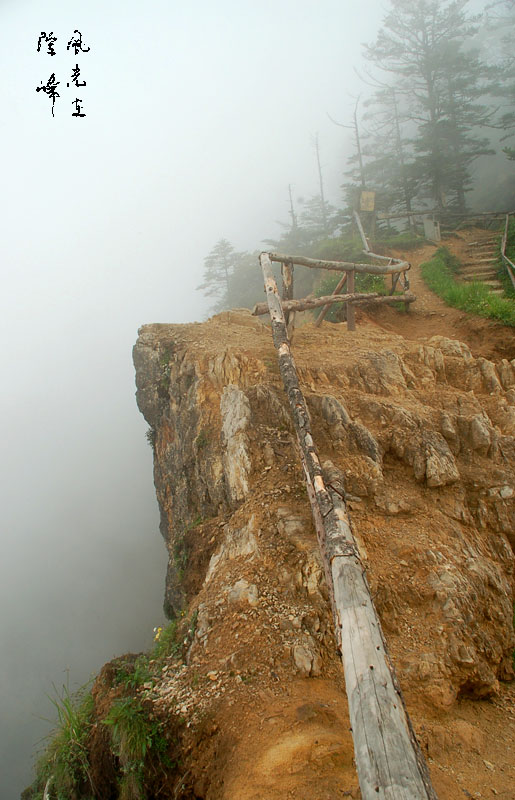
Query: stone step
[
  {"x": 479, "y": 261},
  {"x": 490, "y": 279},
  {"x": 478, "y": 268},
  {"x": 493, "y": 285},
  {"x": 471, "y": 251},
  {"x": 478, "y": 274},
  {"x": 479, "y": 278},
  {"x": 491, "y": 270}
]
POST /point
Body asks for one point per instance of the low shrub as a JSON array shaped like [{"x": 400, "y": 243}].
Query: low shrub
[
  {"x": 136, "y": 738},
  {"x": 166, "y": 642},
  {"x": 363, "y": 283},
  {"x": 131, "y": 674},
  {"x": 475, "y": 298},
  {"x": 406, "y": 240}
]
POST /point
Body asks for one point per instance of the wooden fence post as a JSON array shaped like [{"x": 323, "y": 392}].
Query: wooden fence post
[
  {"x": 287, "y": 276},
  {"x": 351, "y": 314}
]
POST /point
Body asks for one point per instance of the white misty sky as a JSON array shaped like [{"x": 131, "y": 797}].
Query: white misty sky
[{"x": 198, "y": 116}]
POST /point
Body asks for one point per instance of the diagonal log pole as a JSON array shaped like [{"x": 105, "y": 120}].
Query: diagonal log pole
[
  {"x": 389, "y": 762},
  {"x": 336, "y": 290}
]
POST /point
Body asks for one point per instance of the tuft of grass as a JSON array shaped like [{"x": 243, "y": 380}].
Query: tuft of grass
[
  {"x": 475, "y": 298},
  {"x": 64, "y": 767},
  {"x": 169, "y": 641},
  {"x": 129, "y": 728},
  {"x": 135, "y": 734},
  {"x": 133, "y": 674},
  {"x": 167, "y": 644}
]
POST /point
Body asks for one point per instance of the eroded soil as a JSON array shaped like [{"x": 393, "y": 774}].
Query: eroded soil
[{"x": 260, "y": 724}]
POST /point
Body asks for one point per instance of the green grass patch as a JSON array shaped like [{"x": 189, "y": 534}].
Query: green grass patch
[
  {"x": 475, "y": 298},
  {"x": 64, "y": 767},
  {"x": 363, "y": 283},
  {"x": 398, "y": 241},
  {"x": 136, "y": 737},
  {"x": 134, "y": 673},
  {"x": 167, "y": 643}
]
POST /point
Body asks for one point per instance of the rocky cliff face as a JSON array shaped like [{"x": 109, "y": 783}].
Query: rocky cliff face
[{"x": 422, "y": 436}]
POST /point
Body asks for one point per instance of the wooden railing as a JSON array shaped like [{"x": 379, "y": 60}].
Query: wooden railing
[
  {"x": 389, "y": 761},
  {"x": 395, "y": 267},
  {"x": 510, "y": 266}
]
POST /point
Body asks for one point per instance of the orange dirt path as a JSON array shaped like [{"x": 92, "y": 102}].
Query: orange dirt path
[{"x": 430, "y": 316}]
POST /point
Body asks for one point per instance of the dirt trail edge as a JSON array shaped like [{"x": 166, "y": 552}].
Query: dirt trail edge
[{"x": 430, "y": 316}]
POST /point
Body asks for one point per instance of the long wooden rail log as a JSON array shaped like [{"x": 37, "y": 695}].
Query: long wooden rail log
[
  {"x": 439, "y": 211},
  {"x": 389, "y": 762},
  {"x": 358, "y": 299},
  {"x": 344, "y": 266}
]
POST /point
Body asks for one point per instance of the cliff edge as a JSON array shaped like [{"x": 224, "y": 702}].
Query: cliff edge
[{"x": 422, "y": 435}]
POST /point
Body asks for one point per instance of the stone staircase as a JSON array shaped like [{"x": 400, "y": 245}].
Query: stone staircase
[{"x": 481, "y": 261}]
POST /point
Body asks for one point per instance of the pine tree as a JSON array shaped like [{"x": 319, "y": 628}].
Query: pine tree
[
  {"x": 218, "y": 268},
  {"x": 389, "y": 165},
  {"x": 496, "y": 41},
  {"x": 439, "y": 82}
]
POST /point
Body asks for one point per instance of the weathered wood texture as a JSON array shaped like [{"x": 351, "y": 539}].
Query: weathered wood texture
[
  {"x": 359, "y": 298},
  {"x": 339, "y": 286},
  {"x": 287, "y": 276},
  {"x": 364, "y": 239},
  {"x": 438, "y": 211},
  {"x": 350, "y": 312},
  {"x": 344, "y": 266},
  {"x": 389, "y": 762},
  {"x": 509, "y": 265}
]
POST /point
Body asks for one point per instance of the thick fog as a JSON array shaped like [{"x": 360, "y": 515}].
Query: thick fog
[{"x": 198, "y": 116}]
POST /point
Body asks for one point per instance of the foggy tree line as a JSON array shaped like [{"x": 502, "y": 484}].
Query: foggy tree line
[{"x": 438, "y": 93}]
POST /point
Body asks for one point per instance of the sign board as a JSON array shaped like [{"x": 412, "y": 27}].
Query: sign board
[
  {"x": 431, "y": 229},
  {"x": 367, "y": 201}
]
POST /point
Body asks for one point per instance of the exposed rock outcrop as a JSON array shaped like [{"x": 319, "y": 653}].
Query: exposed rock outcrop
[{"x": 421, "y": 438}]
